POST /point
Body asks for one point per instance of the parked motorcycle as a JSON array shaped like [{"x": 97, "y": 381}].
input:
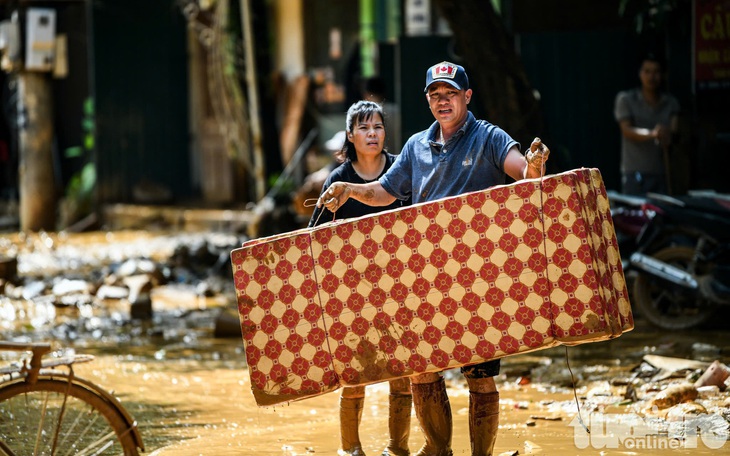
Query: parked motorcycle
[
  {"x": 630, "y": 215},
  {"x": 682, "y": 259}
]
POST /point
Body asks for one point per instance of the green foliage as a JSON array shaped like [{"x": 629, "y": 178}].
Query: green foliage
[
  {"x": 82, "y": 183},
  {"x": 73, "y": 152},
  {"x": 89, "y": 110},
  {"x": 282, "y": 186},
  {"x": 80, "y": 188}
]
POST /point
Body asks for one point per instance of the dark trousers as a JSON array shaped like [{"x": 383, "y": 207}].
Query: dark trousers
[{"x": 638, "y": 183}]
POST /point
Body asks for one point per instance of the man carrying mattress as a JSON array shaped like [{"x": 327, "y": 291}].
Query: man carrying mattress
[{"x": 456, "y": 154}]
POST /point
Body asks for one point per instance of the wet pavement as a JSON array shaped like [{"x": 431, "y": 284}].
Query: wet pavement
[{"x": 189, "y": 390}]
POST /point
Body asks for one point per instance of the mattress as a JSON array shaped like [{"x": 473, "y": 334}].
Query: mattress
[{"x": 437, "y": 285}]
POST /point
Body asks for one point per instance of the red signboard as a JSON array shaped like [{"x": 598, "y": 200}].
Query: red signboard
[{"x": 712, "y": 44}]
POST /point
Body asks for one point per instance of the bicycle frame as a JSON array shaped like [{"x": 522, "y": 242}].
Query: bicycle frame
[{"x": 38, "y": 350}]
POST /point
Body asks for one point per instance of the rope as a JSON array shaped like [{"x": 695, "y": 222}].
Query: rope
[
  {"x": 544, "y": 242},
  {"x": 575, "y": 394},
  {"x": 310, "y": 202}
]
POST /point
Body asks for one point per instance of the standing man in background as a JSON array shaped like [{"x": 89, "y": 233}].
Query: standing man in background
[{"x": 647, "y": 117}]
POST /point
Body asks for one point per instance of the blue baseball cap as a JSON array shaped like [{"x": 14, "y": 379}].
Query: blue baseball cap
[{"x": 449, "y": 73}]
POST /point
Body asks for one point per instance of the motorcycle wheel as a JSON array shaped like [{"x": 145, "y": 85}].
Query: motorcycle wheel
[{"x": 667, "y": 306}]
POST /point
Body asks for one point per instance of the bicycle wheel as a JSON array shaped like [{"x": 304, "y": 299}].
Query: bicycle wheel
[{"x": 55, "y": 417}]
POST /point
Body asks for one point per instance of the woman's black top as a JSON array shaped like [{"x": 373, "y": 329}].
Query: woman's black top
[{"x": 352, "y": 208}]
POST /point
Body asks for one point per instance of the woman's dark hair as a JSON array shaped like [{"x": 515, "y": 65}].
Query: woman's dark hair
[{"x": 360, "y": 111}]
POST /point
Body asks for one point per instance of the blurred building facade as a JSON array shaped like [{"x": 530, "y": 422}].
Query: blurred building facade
[{"x": 207, "y": 101}]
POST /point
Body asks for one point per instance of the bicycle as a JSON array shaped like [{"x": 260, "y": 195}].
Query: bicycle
[{"x": 48, "y": 411}]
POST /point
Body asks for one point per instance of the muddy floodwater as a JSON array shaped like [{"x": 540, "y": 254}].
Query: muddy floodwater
[
  {"x": 197, "y": 401},
  {"x": 190, "y": 392}
]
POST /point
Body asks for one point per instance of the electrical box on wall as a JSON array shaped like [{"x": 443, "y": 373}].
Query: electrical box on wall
[{"x": 40, "y": 34}]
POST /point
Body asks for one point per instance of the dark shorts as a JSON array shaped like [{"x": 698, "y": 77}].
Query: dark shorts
[
  {"x": 636, "y": 183},
  {"x": 482, "y": 370}
]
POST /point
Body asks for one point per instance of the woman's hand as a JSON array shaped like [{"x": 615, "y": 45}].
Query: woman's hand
[{"x": 335, "y": 196}]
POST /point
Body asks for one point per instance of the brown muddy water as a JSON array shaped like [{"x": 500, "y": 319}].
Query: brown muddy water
[
  {"x": 197, "y": 401},
  {"x": 190, "y": 393}
]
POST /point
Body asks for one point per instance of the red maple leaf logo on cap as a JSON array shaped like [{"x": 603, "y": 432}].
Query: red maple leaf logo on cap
[{"x": 443, "y": 71}]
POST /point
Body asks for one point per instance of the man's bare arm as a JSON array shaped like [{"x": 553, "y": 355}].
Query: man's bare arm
[
  {"x": 372, "y": 194},
  {"x": 629, "y": 131}
]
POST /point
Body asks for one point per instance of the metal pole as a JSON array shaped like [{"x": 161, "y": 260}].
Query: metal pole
[
  {"x": 253, "y": 99},
  {"x": 35, "y": 138},
  {"x": 367, "y": 38}
]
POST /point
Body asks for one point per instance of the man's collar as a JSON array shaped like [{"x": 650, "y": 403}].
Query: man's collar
[
  {"x": 433, "y": 130},
  {"x": 470, "y": 119}
]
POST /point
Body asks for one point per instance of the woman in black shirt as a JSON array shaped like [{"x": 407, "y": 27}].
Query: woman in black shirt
[{"x": 365, "y": 160}]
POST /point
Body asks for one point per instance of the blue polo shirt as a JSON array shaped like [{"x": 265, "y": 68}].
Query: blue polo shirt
[{"x": 472, "y": 159}]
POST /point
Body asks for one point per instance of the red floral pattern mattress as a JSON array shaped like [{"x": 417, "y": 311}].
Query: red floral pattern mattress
[{"x": 437, "y": 285}]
